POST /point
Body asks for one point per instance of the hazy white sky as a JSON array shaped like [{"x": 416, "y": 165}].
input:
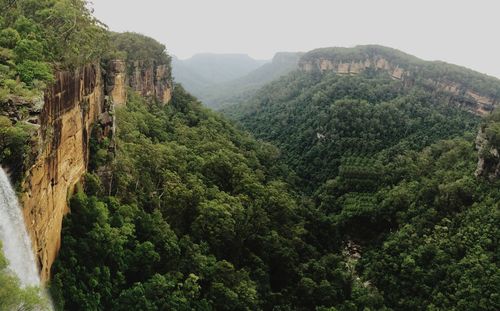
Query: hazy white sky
[{"x": 464, "y": 32}]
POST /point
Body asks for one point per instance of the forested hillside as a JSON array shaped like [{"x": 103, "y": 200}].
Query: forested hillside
[
  {"x": 390, "y": 169},
  {"x": 370, "y": 202},
  {"x": 328, "y": 190},
  {"x": 322, "y": 121},
  {"x": 193, "y": 223}
]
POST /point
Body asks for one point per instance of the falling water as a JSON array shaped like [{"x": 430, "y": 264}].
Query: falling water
[{"x": 15, "y": 239}]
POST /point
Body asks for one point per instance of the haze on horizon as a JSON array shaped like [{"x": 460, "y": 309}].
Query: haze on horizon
[{"x": 458, "y": 32}]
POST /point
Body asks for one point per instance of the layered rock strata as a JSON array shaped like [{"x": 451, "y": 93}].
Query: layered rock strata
[{"x": 459, "y": 94}]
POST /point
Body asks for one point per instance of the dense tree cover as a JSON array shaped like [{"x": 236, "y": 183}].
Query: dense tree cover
[
  {"x": 13, "y": 296},
  {"x": 320, "y": 121},
  {"x": 197, "y": 215},
  {"x": 444, "y": 253},
  {"x": 419, "y": 227},
  {"x": 369, "y": 204},
  {"x": 38, "y": 36},
  {"x": 132, "y": 47}
]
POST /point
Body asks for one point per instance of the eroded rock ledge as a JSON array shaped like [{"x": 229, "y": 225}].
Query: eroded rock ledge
[
  {"x": 146, "y": 78},
  {"x": 449, "y": 79}
]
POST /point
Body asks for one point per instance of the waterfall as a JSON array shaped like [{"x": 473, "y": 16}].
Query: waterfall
[{"x": 16, "y": 243}]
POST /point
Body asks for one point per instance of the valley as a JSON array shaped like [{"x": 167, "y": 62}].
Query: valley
[{"x": 359, "y": 178}]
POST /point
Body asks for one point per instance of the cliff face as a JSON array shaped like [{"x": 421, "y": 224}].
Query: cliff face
[
  {"x": 459, "y": 94},
  {"x": 488, "y": 164},
  {"x": 71, "y": 106},
  {"x": 117, "y": 82},
  {"x": 146, "y": 78},
  {"x": 77, "y": 100}
]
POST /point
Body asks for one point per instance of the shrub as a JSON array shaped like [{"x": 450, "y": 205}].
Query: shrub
[
  {"x": 28, "y": 50},
  {"x": 32, "y": 70},
  {"x": 9, "y": 38}
]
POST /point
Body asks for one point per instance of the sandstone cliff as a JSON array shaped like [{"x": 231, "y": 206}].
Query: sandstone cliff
[
  {"x": 144, "y": 77},
  {"x": 465, "y": 88},
  {"x": 70, "y": 108}
]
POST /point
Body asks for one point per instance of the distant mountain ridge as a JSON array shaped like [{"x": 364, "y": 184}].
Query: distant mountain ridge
[
  {"x": 474, "y": 91},
  {"x": 215, "y": 68},
  {"x": 214, "y": 92}
]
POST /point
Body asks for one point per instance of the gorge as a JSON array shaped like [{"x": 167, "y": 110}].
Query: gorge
[{"x": 339, "y": 179}]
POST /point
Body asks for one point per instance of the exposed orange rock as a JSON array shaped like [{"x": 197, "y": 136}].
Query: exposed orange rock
[
  {"x": 151, "y": 80},
  {"x": 163, "y": 89},
  {"x": 71, "y": 106},
  {"x": 75, "y": 102},
  {"x": 398, "y": 73},
  {"x": 343, "y": 68},
  {"x": 147, "y": 79},
  {"x": 117, "y": 82}
]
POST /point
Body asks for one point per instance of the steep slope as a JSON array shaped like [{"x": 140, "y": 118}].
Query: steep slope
[
  {"x": 52, "y": 107},
  {"x": 476, "y": 92},
  {"x": 384, "y": 144},
  {"x": 196, "y": 223},
  {"x": 370, "y": 203},
  {"x": 488, "y": 146},
  {"x": 304, "y": 112},
  {"x": 196, "y": 215},
  {"x": 199, "y": 215}
]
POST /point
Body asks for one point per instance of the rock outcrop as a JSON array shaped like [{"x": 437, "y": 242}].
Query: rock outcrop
[
  {"x": 117, "y": 82},
  {"x": 145, "y": 77},
  {"x": 488, "y": 164},
  {"x": 437, "y": 75},
  {"x": 70, "y": 108}
]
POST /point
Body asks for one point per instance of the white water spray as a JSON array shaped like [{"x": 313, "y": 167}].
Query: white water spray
[{"x": 16, "y": 243}]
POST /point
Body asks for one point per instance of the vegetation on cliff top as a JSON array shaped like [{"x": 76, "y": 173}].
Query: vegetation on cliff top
[
  {"x": 420, "y": 70},
  {"x": 132, "y": 47},
  {"x": 38, "y": 36},
  {"x": 369, "y": 203}
]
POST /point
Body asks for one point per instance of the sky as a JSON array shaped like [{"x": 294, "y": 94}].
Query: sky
[{"x": 463, "y": 32}]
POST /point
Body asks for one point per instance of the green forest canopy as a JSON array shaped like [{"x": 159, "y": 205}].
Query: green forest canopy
[
  {"x": 362, "y": 198},
  {"x": 224, "y": 224}
]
